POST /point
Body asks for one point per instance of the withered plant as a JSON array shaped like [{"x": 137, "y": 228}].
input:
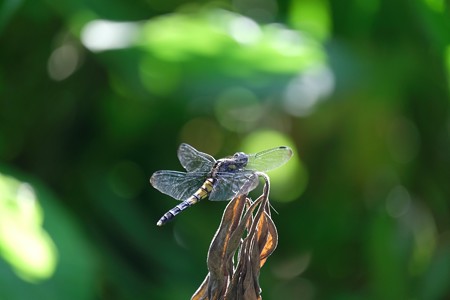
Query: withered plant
[{"x": 240, "y": 247}]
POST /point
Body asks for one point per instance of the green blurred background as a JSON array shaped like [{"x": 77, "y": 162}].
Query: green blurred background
[{"x": 97, "y": 95}]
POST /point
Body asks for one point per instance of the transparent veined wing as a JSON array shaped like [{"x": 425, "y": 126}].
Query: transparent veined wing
[
  {"x": 269, "y": 159},
  {"x": 228, "y": 185},
  {"x": 193, "y": 160},
  {"x": 178, "y": 185}
]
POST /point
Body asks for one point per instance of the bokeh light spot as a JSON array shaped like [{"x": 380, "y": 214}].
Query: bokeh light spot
[
  {"x": 238, "y": 109},
  {"x": 160, "y": 78},
  {"x": 63, "y": 62},
  {"x": 244, "y": 30},
  {"x": 421, "y": 224},
  {"x": 436, "y": 5},
  {"x": 203, "y": 133},
  {"x": 102, "y": 35},
  {"x": 287, "y": 42},
  {"x": 180, "y": 236},
  {"x": 306, "y": 90},
  {"x": 287, "y": 182},
  {"x": 398, "y": 201},
  {"x": 297, "y": 288},
  {"x": 291, "y": 267},
  {"x": 127, "y": 179},
  {"x": 313, "y": 16}
]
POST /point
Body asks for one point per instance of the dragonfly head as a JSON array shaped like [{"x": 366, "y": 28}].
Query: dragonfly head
[{"x": 240, "y": 159}]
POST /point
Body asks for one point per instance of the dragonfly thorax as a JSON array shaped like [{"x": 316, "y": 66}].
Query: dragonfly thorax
[{"x": 231, "y": 164}]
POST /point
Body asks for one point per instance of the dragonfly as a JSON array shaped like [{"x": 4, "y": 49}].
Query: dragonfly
[{"x": 219, "y": 180}]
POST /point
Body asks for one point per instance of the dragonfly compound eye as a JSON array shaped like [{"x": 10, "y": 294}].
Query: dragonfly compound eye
[
  {"x": 239, "y": 155},
  {"x": 240, "y": 158}
]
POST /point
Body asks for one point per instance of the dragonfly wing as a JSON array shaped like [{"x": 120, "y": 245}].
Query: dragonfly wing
[
  {"x": 193, "y": 160},
  {"x": 269, "y": 159},
  {"x": 178, "y": 185},
  {"x": 228, "y": 185}
]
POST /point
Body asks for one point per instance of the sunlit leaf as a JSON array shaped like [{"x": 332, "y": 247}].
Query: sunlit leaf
[
  {"x": 235, "y": 38},
  {"x": 23, "y": 241}
]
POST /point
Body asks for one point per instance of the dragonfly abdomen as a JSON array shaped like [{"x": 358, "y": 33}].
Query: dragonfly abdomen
[
  {"x": 200, "y": 194},
  {"x": 203, "y": 191}
]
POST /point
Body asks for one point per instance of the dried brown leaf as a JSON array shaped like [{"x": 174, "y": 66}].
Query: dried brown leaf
[
  {"x": 220, "y": 242},
  {"x": 236, "y": 288},
  {"x": 253, "y": 237},
  {"x": 236, "y": 236},
  {"x": 201, "y": 292},
  {"x": 271, "y": 240},
  {"x": 249, "y": 281},
  {"x": 262, "y": 231},
  {"x": 219, "y": 267}
]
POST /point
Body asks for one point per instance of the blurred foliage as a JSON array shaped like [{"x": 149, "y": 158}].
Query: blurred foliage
[
  {"x": 25, "y": 245},
  {"x": 97, "y": 95}
]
